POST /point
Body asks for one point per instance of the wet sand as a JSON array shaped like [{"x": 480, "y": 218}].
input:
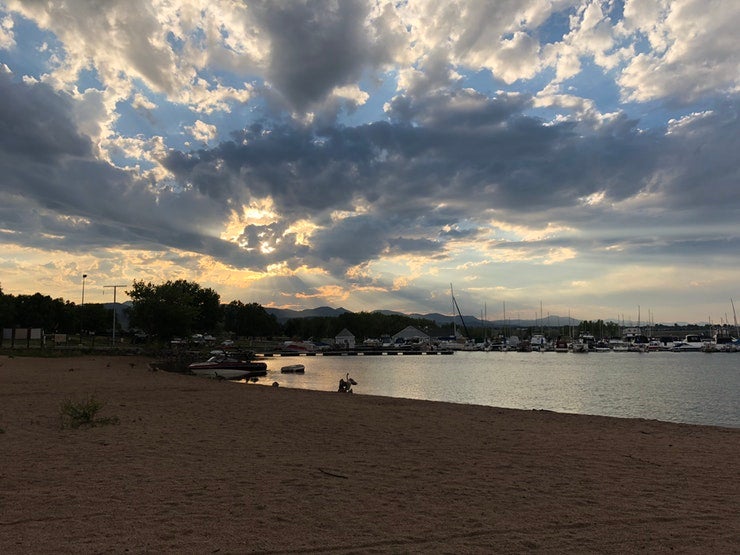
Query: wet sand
[{"x": 203, "y": 466}]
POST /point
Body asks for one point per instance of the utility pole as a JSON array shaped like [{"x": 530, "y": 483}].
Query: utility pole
[
  {"x": 82, "y": 307},
  {"x": 115, "y": 289}
]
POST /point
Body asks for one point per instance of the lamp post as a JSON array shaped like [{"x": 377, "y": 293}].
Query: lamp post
[{"x": 82, "y": 306}]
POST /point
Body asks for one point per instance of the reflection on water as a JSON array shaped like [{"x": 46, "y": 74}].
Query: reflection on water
[{"x": 696, "y": 388}]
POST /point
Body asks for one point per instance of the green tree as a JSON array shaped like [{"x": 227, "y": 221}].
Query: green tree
[
  {"x": 7, "y": 310},
  {"x": 363, "y": 325},
  {"x": 249, "y": 320},
  {"x": 41, "y": 311},
  {"x": 173, "y": 308},
  {"x": 98, "y": 319}
]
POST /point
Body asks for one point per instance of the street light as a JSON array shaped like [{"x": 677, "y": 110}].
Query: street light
[{"x": 82, "y": 305}]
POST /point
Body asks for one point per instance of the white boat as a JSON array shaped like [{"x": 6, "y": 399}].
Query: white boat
[
  {"x": 224, "y": 366},
  {"x": 538, "y": 342},
  {"x": 579, "y": 346},
  {"x": 619, "y": 346},
  {"x": 293, "y": 369},
  {"x": 690, "y": 343},
  {"x": 721, "y": 344}
]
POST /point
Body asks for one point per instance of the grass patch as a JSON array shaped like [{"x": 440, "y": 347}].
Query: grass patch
[{"x": 75, "y": 414}]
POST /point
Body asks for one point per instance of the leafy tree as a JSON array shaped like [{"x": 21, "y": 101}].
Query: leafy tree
[
  {"x": 96, "y": 318},
  {"x": 7, "y": 310},
  {"x": 362, "y": 324},
  {"x": 173, "y": 308},
  {"x": 41, "y": 311},
  {"x": 249, "y": 320}
]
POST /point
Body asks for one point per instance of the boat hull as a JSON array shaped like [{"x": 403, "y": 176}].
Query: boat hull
[
  {"x": 293, "y": 369},
  {"x": 229, "y": 371}
]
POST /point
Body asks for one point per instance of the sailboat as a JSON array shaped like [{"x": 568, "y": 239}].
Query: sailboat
[{"x": 454, "y": 343}]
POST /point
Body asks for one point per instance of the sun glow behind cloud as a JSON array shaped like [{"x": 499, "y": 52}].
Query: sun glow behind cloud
[{"x": 376, "y": 155}]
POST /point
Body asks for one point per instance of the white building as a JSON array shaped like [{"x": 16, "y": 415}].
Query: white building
[
  {"x": 410, "y": 334},
  {"x": 345, "y": 339}
]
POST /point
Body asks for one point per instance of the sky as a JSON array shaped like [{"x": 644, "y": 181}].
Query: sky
[{"x": 553, "y": 156}]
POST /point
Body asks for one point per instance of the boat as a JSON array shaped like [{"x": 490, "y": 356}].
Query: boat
[
  {"x": 636, "y": 341},
  {"x": 579, "y": 346},
  {"x": 299, "y": 346},
  {"x": 690, "y": 343},
  {"x": 602, "y": 346},
  {"x": 585, "y": 343},
  {"x": 538, "y": 343},
  {"x": 561, "y": 345},
  {"x": 225, "y": 366},
  {"x": 721, "y": 344},
  {"x": 293, "y": 369}
]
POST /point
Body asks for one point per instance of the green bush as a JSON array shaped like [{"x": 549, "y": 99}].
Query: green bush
[{"x": 82, "y": 413}]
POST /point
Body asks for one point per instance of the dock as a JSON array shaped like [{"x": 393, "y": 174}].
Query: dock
[{"x": 350, "y": 353}]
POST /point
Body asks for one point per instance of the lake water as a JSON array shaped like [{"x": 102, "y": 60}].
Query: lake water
[{"x": 694, "y": 388}]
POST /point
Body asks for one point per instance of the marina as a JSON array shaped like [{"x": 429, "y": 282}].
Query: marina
[{"x": 350, "y": 353}]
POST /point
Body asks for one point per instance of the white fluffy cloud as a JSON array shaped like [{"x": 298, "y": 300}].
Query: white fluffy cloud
[
  {"x": 6, "y": 33},
  {"x": 693, "y": 52}
]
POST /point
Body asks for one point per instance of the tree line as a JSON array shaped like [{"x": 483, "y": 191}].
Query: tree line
[
  {"x": 53, "y": 315},
  {"x": 180, "y": 308}
]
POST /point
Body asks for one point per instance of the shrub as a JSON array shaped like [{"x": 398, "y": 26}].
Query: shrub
[{"x": 82, "y": 413}]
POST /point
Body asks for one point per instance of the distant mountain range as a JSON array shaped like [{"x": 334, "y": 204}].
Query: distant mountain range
[
  {"x": 121, "y": 312},
  {"x": 283, "y": 315}
]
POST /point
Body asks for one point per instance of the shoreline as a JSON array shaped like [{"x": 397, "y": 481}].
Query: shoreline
[{"x": 198, "y": 465}]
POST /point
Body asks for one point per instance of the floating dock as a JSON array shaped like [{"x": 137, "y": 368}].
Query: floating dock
[{"x": 350, "y": 353}]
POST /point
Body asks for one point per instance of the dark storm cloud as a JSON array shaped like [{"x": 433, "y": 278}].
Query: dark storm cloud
[
  {"x": 414, "y": 185},
  {"x": 500, "y": 159},
  {"x": 422, "y": 180},
  {"x": 318, "y": 45},
  {"x": 35, "y": 122},
  {"x": 55, "y": 194}
]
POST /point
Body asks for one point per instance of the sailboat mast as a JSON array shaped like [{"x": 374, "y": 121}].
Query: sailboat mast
[
  {"x": 504, "y": 321},
  {"x": 452, "y": 297},
  {"x": 542, "y": 321},
  {"x": 734, "y": 315},
  {"x": 485, "y": 323}
]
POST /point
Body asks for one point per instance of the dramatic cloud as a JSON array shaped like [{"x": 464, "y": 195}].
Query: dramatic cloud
[{"x": 312, "y": 152}]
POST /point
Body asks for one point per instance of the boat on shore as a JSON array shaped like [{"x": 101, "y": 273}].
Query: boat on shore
[
  {"x": 293, "y": 369},
  {"x": 225, "y": 366}
]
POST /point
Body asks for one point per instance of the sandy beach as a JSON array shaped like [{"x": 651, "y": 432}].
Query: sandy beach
[{"x": 204, "y": 466}]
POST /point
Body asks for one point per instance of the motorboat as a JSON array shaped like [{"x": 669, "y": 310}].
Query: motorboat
[
  {"x": 228, "y": 367},
  {"x": 585, "y": 343},
  {"x": 579, "y": 346},
  {"x": 691, "y": 343},
  {"x": 300, "y": 346},
  {"x": 293, "y": 369},
  {"x": 721, "y": 344},
  {"x": 561, "y": 345}
]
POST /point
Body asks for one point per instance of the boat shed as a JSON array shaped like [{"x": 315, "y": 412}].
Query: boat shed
[
  {"x": 345, "y": 339},
  {"x": 410, "y": 334}
]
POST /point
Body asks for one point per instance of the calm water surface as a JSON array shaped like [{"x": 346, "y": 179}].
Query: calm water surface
[{"x": 695, "y": 388}]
